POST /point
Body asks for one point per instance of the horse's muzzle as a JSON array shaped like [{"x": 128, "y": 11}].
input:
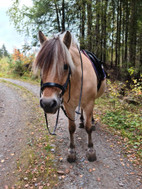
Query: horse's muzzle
[{"x": 49, "y": 105}]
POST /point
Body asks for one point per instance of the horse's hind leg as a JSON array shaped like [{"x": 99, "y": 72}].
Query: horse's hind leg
[
  {"x": 81, "y": 124},
  {"x": 93, "y": 124},
  {"x": 91, "y": 154}
]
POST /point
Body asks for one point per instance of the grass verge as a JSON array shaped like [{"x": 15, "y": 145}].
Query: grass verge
[
  {"x": 124, "y": 120},
  {"x": 36, "y": 166}
]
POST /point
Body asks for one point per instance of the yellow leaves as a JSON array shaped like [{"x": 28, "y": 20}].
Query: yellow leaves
[{"x": 18, "y": 56}]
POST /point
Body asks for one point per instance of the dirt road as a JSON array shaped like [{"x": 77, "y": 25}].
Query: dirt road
[
  {"x": 110, "y": 171},
  {"x": 13, "y": 120}
]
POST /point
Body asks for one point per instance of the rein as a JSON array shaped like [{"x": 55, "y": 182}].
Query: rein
[{"x": 63, "y": 89}]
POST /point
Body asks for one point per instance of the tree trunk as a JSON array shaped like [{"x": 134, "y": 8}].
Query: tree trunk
[
  {"x": 119, "y": 32},
  {"x": 89, "y": 24},
  {"x": 126, "y": 34},
  {"x": 63, "y": 16},
  {"x": 102, "y": 23},
  {"x": 133, "y": 32},
  {"x": 104, "y": 31},
  {"x": 82, "y": 25},
  {"x": 57, "y": 15},
  {"x": 113, "y": 25},
  {"x": 117, "y": 37},
  {"x": 97, "y": 31}
]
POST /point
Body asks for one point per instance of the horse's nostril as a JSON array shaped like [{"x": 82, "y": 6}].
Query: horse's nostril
[{"x": 53, "y": 103}]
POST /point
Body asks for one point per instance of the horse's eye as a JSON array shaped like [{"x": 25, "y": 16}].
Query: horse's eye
[{"x": 66, "y": 67}]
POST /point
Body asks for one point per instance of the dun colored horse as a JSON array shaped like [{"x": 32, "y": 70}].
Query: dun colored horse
[{"x": 64, "y": 71}]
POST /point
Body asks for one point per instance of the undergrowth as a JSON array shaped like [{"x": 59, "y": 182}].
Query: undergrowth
[{"x": 123, "y": 118}]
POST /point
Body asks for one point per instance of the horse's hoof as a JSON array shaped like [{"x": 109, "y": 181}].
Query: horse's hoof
[
  {"x": 91, "y": 154},
  {"x": 81, "y": 125},
  {"x": 71, "y": 156}
]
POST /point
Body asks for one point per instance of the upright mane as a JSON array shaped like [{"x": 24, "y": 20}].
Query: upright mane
[{"x": 52, "y": 57}]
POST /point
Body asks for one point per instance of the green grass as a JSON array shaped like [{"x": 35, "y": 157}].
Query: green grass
[{"x": 123, "y": 119}]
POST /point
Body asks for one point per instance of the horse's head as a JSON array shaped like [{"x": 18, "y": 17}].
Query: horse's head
[{"x": 55, "y": 64}]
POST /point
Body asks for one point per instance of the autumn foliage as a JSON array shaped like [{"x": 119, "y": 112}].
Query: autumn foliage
[{"x": 21, "y": 64}]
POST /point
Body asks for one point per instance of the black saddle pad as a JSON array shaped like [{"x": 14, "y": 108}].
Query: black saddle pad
[{"x": 97, "y": 65}]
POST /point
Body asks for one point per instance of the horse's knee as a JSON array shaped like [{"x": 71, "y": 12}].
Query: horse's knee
[{"x": 72, "y": 128}]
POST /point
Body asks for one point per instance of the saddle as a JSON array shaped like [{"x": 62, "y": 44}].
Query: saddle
[{"x": 97, "y": 65}]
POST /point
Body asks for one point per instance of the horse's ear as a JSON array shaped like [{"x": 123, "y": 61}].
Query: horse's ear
[
  {"x": 42, "y": 37},
  {"x": 67, "y": 39}
]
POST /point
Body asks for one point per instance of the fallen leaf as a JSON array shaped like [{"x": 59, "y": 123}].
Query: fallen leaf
[
  {"x": 61, "y": 159},
  {"x": 98, "y": 179},
  {"x": 40, "y": 187},
  {"x": 67, "y": 171},
  {"x": 27, "y": 185},
  {"x": 63, "y": 176},
  {"x": 90, "y": 170},
  {"x": 60, "y": 172}
]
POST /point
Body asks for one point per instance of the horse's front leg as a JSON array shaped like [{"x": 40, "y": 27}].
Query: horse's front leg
[
  {"x": 72, "y": 127},
  {"x": 71, "y": 152},
  {"x": 91, "y": 153}
]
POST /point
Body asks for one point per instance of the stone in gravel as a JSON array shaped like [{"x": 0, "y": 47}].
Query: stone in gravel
[
  {"x": 25, "y": 178},
  {"x": 36, "y": 184},
  {"x": 53, "y": 150},
  {"x": 83, "y": 159},
  {"x": 121, "y": 184}
]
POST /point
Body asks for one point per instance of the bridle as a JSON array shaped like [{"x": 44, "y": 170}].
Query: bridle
[{"x": 63, "y": 88}]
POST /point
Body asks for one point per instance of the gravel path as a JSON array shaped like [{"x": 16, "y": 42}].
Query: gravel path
[
  {"x": 110, "y": 171},
  {"x": 12, "y": 131}
]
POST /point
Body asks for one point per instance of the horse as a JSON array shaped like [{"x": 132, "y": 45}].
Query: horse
[{"x": 60, "y": 60}]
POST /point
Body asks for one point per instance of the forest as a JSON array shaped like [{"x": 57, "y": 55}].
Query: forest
[{"x": 112, "y": 29}]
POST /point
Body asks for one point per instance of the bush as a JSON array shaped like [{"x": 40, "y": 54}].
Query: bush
[
  {"x": 4, "y": 64},
  {"x": 20, "y": 64}
]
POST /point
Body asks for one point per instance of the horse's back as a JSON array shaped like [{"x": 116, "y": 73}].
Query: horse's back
[{"x": 90, "y": 80}]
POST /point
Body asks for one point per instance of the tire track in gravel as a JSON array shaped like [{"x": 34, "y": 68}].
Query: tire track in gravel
[{"x": 110, "y": 171}]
